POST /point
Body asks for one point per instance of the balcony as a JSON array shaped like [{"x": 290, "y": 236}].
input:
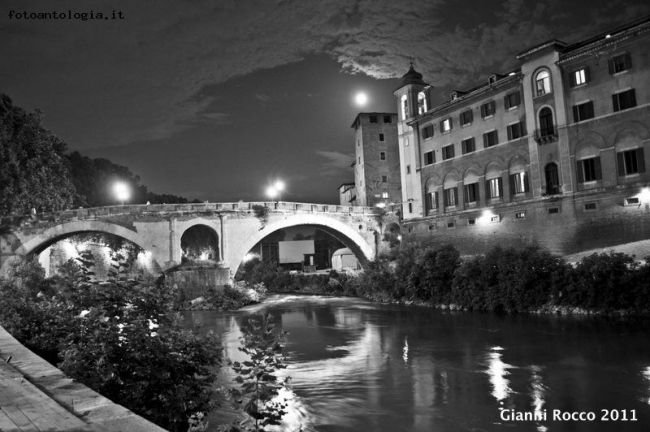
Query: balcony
[
  {"x": 551, "y": 190},
  {"x": 546, "y": 135}
]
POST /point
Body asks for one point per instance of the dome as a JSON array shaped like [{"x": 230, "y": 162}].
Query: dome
[{"x": 412, "y": 77}]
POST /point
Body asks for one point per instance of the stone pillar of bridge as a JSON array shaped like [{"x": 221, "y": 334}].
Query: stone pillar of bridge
[
  {"x": 174, "y": 243},
  {"x": 224, "y": 242}
]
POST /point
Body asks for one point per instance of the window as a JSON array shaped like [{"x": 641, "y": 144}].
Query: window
[
  {"x": 553, "y": 210},
  {"x": 591, "y": 206},
  {"x": 515, "y": 131},
  {"x": 384, "y": 195},
  {"x": 579, "y": 77},
  {"x": 466, "y": 117},
  {"x": 468, "y": 145},
  {"x": 448, "y": 152},
  {"x": 433, "y": 227},
  {"x": 471, "y": 193},
  {"x": 381, "y": 137},
  {"x": 471, "y": 221},
  {"x": 542, "y": 83},
  {"x": 488, "y": 109},
  {"x": 520, "y": 215},
  {"x": 631, "y": 201},
  {"x": 429, "y": 158},
  {"x": 495, "y": 188},
  {"x": 512, "y": 100},
  {"x": 405, "y": 107},
  {"x": 359, "y": 159},
  {"x": 431, "y": 202},
  {"x": 630, "y": 162},
  {"x": 410, "y": 209},
  {"x": 384, "y": 179},
  {"x": 624, "y": 100},
  {"x": 552, "y": 177},
  {"x": 451, "y": 197},
  {"x": 519, "y": 183},
  {"x": 583, "y": 111},
  {"x": 382, "y": 156},
  {"x": 373, "y": 119},
  {"x": 427, "y": 131},
  {"x": 589, "y": 170},
  {"x": 546, "y": 126},
  {"x": 490, "y": 139},
  {"x": 620, "y": 63},
  {"x": 451, "y": 224},
  {"x": 422, "y": 103},
  {"x": 388, "y": 119},
  {"x": 406, "y": 142},
  {"x": 445, "y": 125},
  {"x": 408, "y": 169}
]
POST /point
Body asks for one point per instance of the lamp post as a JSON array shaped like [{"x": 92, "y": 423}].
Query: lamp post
[{"x": 122, "y": 191}]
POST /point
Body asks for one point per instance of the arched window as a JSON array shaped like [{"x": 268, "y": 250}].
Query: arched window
[
  {"x": 552, "y": 179},
  {"x": 422, "y": 103},
  {"x": 405, "y": 107},
  {"x": 546, "y": 126},
  {"x": 543, "y": 83}
]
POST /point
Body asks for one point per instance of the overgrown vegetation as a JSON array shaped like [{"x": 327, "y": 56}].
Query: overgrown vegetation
[
  {"x": 116, "y": 336},
  {"x": 503, "y": 280}
]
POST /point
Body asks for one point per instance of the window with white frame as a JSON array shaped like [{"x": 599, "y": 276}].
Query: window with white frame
[
  {"x": 580, "y": 76},
  {"x": 445, "y": 125},
  {"x": 542, "y": 83}
]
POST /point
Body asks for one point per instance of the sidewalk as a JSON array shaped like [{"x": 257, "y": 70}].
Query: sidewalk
[{"x": 36, "y": 396}]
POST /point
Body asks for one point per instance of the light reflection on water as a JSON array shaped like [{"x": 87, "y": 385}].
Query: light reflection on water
[{"x": 359, "y": 366}]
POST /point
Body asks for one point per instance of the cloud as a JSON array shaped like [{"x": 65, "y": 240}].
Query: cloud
[
  {"x": 144, "y": 77},
  {"x": 335, "y": 163}
]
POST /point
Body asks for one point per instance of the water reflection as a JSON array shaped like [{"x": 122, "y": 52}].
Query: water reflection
[{"x": 362, "y": 366}]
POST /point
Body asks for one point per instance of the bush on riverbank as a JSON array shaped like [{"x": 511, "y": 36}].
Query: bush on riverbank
[
  {"x": 503, "y": 280},
  {"x": 116, "y": 337}
]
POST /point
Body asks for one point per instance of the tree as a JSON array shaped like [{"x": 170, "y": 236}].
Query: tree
[
  {"x": 33, "y": 169},
  {"x": 260, "y": 385}
]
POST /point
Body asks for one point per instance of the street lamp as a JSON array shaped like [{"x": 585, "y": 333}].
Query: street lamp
[
  {"x": 122, "y": 191},
  {"x": 275, "y": 191}
]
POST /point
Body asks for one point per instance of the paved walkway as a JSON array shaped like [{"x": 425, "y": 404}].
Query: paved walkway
[{"x": 36, "y": 396}]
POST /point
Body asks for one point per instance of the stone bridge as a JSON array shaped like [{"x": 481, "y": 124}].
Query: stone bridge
[{"x": 158, "y": 228}]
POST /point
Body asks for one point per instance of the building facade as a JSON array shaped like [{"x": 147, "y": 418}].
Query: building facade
[
  {"x": 348, "y": 194},
  {"x": 553, "y": 153},
  {"x": 377, "y": 160}
]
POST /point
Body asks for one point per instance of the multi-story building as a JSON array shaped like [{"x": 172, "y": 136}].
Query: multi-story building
[
  {"x": 348, "y": 194},
  {"x": 377, "y": 161},
  {"x": 552, "y": 153}
]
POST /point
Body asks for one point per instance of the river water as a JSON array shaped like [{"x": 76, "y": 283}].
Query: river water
[{"x": 362, "y": 366}]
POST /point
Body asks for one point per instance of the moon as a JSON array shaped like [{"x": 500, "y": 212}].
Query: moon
[{"x": 361, "y": 98}]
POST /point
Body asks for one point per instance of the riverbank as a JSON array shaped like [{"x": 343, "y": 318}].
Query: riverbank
[
  {"x": 37, "y": 396},
  {"x": 529, "y": 280}
]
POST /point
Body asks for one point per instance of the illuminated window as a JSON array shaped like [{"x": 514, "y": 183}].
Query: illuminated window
[
  {"x": 431, "y": 201},
  {"x": 495, "y": 188},
  {"x": 542, "y": 83},
  {"x": 422, "y": 103},
  {"x": 384, "y": 195},
  {"x": 405, "y": 107},
  {"x": 445, "y": 125},
  {"x": 519, "y": 183},
  {"x": 579, "y": 77}
]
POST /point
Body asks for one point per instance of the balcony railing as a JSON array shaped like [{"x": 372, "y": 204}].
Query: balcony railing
[{"x": 546, "y": 135}]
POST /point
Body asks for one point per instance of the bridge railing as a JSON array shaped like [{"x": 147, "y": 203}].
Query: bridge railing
[{"x": 130, "y": 209}]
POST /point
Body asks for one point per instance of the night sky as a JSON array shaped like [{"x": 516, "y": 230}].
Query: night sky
[{"x": 215, "y": 99}]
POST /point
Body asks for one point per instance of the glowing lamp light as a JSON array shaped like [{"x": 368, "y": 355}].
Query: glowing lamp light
[
  {"x": 644, "y": 195},
  {"x": 279, "y": 186},
  {"x": 271, "y": 192},
  {"x": 275, "y": 190},
  {"x": 122, "y": 191}
]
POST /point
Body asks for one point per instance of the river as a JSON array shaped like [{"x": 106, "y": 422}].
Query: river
[{"x": 362, "y": 366}]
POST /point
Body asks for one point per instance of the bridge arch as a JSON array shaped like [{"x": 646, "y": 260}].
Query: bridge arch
[
  {"x": 341, "y": 231},
  {"x": 51, "y": 235}
]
